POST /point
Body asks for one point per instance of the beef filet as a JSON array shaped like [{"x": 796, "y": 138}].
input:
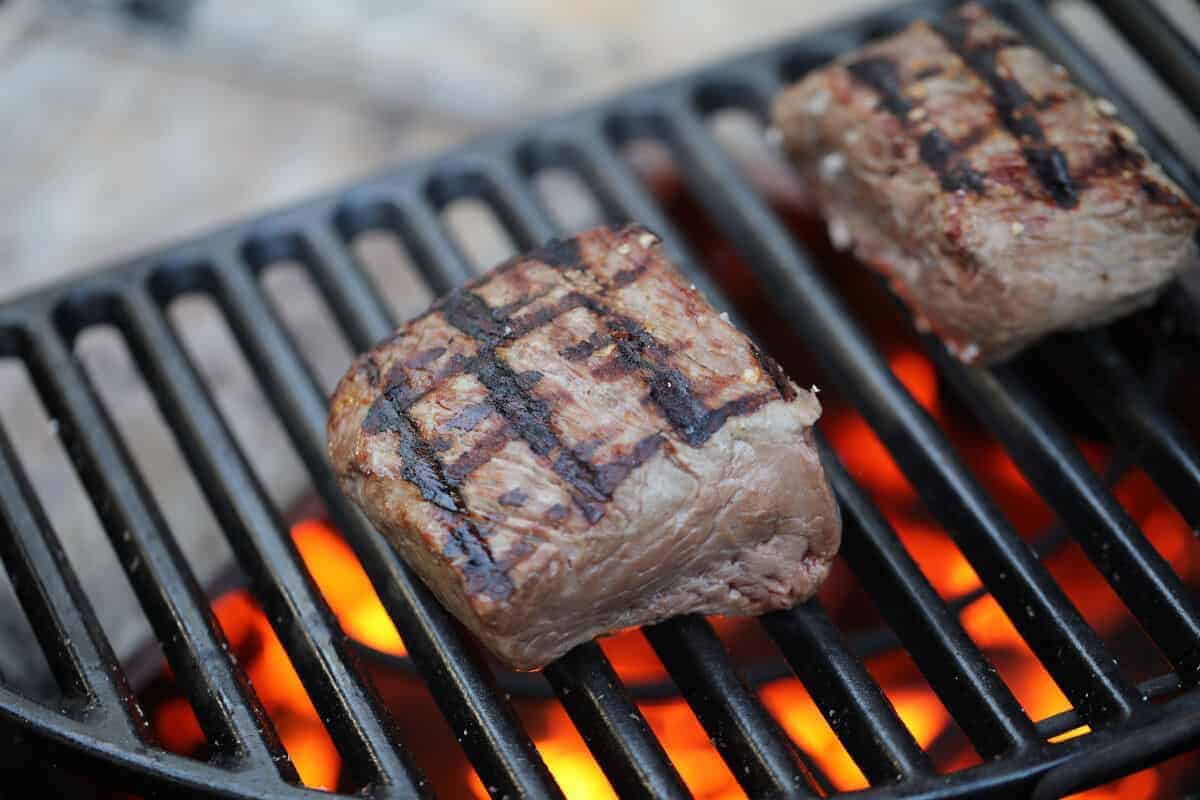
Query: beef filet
[
  {"x": 577, "y": 442},
  {"x": 1000, "y": 199}
]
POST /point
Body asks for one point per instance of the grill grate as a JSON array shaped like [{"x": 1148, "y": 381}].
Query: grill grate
[{"x": 100, "y": 725}]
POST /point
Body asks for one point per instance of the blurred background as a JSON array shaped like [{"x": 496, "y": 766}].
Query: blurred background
[{"x": 128, "y": 123}]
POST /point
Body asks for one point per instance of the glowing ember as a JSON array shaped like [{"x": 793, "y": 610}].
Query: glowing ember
[{"x": 345, "y": 585}]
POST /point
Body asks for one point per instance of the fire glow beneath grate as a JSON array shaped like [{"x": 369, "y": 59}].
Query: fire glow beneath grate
[
  {"x": 347, "y": 589},
  {"x": 349, "y": 593}
]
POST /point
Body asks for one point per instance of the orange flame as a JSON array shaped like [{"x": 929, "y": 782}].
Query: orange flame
[{"x": 345, "y": 585}]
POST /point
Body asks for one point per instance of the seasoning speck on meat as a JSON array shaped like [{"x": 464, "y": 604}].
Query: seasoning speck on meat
[
  {"x": 576, "y": 442},
  {"x": 1000, "y": 200}
]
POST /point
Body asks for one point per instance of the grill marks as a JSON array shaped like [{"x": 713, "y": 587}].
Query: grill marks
[
  {"x": 946, "y": 159},
  {"x": 881, "y": 75},
  {"x": 670, "y": 389},
  {"x": 530, "y": 418},
  {"x": 1014, "y": 107},
  {"x": 937, "y": 150},
  {"x": 469, "y": 418},
  {"x": 581, "y": 350},
  {"x": 558, "y": 253},
  {"x": 422, "y": 468},
  {"x": 483, "y": 452}
]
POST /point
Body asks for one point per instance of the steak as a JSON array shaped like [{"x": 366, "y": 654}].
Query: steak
[
  {"x": 576, "y": 442},
  {"x": 999, "y": 199}
]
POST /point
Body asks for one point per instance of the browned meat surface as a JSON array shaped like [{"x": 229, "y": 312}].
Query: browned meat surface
[
  {"x": 576, "y": 443},
  {"x": 1000, "y": 199}
]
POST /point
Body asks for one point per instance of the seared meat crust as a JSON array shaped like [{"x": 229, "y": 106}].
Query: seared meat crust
[
  {"x": 576, "y": 443},
  {"x": 1000, "y": 199}
]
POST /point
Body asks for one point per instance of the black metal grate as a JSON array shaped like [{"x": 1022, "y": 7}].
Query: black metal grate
[{"x": 100, "y": 725}]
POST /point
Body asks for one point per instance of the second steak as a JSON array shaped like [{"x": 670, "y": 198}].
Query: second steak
[{"x": 1000, "y": 199}]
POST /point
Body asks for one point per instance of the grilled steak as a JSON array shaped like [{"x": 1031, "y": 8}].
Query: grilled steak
[
  {"x": 1000, "y": 200},
  {"x": 576, "y": 442}
]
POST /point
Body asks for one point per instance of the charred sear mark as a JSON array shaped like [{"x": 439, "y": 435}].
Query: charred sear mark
[
  {"x": 548, "y": 313},
  {"x": 882, "y": 75},
  {"x": 469, "y": 418},
  {"x": 670, "y": 389},
  {"x": 403, "y": 392},
  {"x": 420, "y": 465},
  {"x": 1159, "y": 194},
  {"x": 628, "y": 276},
  {"x": 778, "y": 376},
  {"x": 424, "y": 358},
  {"x": 467, "y": 546},
  {"x": 471, "y": 314},
  {"x": 371, "y": 368},
  {"x": 1117, "y": 159},
  {"x": 454, "y": 365},
  {"x": 529, "y": 379},
  {"x": 586, "y": 450},
  {"x": 614, "y": 368},
  {"x": 1015, "y": 108},
  {"x": 483, "y": 452},
  {"x": 514, "y": 498},
  {"x": 528, "y": 415},
  {"x": 582, "y": 349},
  {"x": 936, "y": 150},
  {"x": 612, "y": 474},
  {"x": 508, "y": 309},
  {"x": 560, "y": 254},
  {"x": 1049, "y": 100},
  {"x": 943, "y": 157},
  {"x": 927, "y": 72},
  {"x": 530, "y": 418},
  {"x": 557, "y": 512}
]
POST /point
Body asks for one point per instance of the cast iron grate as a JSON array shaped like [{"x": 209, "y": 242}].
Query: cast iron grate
[{"x": 100, "y": 727}]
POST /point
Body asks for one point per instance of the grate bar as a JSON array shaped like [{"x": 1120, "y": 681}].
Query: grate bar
[
  {"x": 441, "y": 263},
  {"x": 612, "y": 726},
  {"x": 1103, "y": 381},
  {"x": 59, "y": 611},
  {"x": 520, "y": 212},
  {"x": 615, "y": 731},
  {"x": 758, "y": 752},
  {"x": 1036, "y": 605},
  {"x": 487, "y": 729},
  {"x": 607, "y": 718},
  {"x": 357, "y": 304},
  {"x": 967, "y": 684},
  {"x": 1144, "y": 580},
  {"x": 853, "y": 704},
  {"x": 300, "y": 617},
  {"x": 622, "y": 194},
  {"x": 227, "y": 709},
  {"x": 1159, "y": 41},
  {"x": 624, "y": 199}
]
